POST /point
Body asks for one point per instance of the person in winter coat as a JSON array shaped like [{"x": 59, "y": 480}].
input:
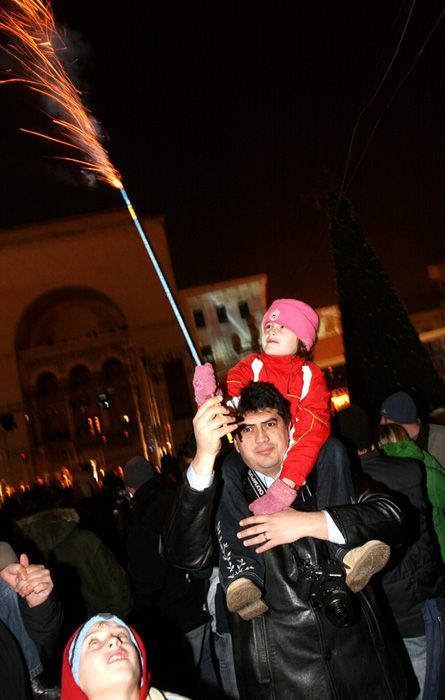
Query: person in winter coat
[
  {"x": 30, "y": 622},
  {"x": 86, "y": 574},
  {"x": 106, "y": 659},
  {"x": 394, "y": 441},
  {"x": 309, "y": 644},
  {"x": 400, "y": 408},
  {"x": 415, "y": 576},
  {"x": 169, "y": 604},
  {"x": 85, "y": 485}
]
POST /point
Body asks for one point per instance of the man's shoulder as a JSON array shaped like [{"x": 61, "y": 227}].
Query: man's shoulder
[
  {"x": 376, "y": 457},
  {"x": 388, "y": 469},
  {"x": 233, "y": 463},
  {"x": 437, "y": 430},
  {"x": 435, "y": 443}
]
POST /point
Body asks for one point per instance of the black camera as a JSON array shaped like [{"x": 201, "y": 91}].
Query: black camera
[{"x": 324, "y": 587}]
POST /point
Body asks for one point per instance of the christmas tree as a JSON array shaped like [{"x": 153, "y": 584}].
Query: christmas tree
[{"x": 382, "y": 349}]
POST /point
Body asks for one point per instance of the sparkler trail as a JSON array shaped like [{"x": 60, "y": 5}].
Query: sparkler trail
[
  {"x": 34, "y": 45},
  {"x": 161, "y": 276}
]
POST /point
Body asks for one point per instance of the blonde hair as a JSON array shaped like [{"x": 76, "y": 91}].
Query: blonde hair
[{"x": 391, "y": 432}]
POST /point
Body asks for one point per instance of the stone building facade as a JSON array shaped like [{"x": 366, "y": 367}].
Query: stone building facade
[{"x": 93, "y": 366}]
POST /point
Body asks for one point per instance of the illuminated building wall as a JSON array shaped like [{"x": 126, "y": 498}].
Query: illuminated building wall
[
  {"x": 225, "y": 319},
  {"x": 88, "y": 345}
]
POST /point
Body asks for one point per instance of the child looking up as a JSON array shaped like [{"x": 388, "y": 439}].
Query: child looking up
[{"x": 289, "y": 329}]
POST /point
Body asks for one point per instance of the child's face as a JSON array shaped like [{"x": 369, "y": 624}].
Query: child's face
[
  {"x": 108, "y": 660},
  {"x": 279, "y": 341}
]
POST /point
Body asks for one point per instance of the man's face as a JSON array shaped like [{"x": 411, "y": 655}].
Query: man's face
[
  {"x": 262, "y": 441},
  {"x": 109, "y": 660}
]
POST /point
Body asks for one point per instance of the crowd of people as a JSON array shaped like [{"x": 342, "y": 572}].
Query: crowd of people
[{"x": 295, "y": 555}]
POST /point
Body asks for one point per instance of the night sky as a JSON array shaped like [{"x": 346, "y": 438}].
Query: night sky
[{"x": 234, "y": 119}]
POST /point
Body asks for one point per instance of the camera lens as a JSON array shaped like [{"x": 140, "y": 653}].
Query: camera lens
[{"x": 339, "y": 607}]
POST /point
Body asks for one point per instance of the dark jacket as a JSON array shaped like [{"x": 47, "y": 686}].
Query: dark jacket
[
  {"x": 168, "y": 602},
  {"x": 293, "y": 652},
  {"x": 43, "y": 623},
  {"x": 14, "y": 676},
  {"x": 415, "y": 572},
  {"x": 158, "y": 587},
  {"x": 86, "y": 575}
]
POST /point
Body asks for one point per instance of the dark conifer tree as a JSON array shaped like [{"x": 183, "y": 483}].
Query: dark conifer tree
[{"x": 382, "y": 349}]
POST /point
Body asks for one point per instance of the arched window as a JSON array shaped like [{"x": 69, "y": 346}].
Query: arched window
[
  {"x": 51, "y": 409},
  {"x": 47, "y": 385},
  {"x": 113, "y": 371},
  {"x": 121, "y": 413}
]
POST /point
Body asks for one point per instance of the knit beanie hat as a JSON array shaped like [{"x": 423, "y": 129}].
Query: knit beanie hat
[
  {"x": 295, "y": 315},
  {"x": 400, "y": 408},
  {"x": 137, "y": 471},
  {"x": 72, "y": 653}
]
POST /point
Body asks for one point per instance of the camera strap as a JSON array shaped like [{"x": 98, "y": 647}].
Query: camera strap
[
  {"x": 255, "y": 483},
  {"x": 304, "y": 493}
]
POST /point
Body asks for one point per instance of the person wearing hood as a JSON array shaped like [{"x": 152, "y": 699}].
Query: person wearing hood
[
  {"x": 87, "y": 575},
  {"x": 106, "y": 659}
]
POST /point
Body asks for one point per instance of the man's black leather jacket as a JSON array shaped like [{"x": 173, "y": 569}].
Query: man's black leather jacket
[{"x": 294, "y": 651}]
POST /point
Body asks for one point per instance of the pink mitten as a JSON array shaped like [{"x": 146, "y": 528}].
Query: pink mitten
[
  {"x": 204, "y": 383},
  {"x": 277, "y": 497}
]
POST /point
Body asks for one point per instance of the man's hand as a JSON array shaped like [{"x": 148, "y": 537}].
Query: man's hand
[
  {"x": 37, "y": 585},
  {"x": 212, "y": 421},
  {"x": 284, "y": 527}
]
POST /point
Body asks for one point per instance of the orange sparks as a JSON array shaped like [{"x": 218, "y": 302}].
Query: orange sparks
[{"x": 35, "y": 44}]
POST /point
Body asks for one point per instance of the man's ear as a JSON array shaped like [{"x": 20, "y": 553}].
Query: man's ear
[{"x": 235, "y": 442}]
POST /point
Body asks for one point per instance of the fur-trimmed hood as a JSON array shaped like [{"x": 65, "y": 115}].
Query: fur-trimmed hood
[{"x": 49, "y": 528}]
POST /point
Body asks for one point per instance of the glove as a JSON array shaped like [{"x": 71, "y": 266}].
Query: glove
[
  {"x": 277, "y": 497},
  {"x": 204, "y": 383}
]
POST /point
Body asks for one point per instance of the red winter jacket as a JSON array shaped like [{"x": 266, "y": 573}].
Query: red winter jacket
[{"x": 304, "y": 385}]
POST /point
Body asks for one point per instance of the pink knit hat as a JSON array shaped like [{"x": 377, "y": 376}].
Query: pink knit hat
[{"x": 295, "y": 315}]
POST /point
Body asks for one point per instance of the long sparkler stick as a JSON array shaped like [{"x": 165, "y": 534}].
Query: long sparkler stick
[
  {"x": 35, "y": 44},
  {"x": 161, "y": 276}
]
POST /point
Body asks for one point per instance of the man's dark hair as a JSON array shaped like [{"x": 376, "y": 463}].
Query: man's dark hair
[{"x": 260, "y": 396}]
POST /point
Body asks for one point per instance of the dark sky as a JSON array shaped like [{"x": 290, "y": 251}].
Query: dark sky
[{"x": 233, "y": 119}]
